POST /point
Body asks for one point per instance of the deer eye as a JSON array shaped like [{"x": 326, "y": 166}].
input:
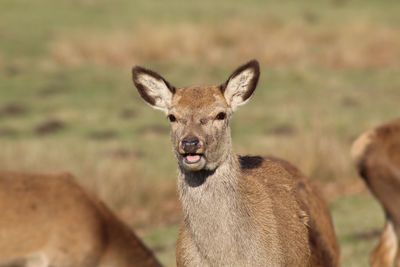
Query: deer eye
[
  {"x": 171, "y": 118},
  {"x": 221, "y": 116}
]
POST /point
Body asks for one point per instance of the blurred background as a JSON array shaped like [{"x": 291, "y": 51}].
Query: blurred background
[{"x": 330, "y": 70}]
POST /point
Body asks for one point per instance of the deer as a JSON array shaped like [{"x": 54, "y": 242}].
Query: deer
[
  {"x": 49, "y": 220},
  {"x": 237, "y": 210},
  {"x": 376, "y": 154}
]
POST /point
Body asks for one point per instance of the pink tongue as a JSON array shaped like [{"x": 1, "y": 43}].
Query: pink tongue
[{"x": 192, "y": 158}]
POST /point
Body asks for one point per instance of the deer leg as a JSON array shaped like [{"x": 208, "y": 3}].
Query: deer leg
[
  {"x": 385, "y": 252},
  {"x": 397, "y": 261}
]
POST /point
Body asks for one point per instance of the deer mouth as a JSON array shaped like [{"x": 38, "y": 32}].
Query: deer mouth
[
  {"x": 192, "y": 161},
  {"x": 192, "y": 158}
]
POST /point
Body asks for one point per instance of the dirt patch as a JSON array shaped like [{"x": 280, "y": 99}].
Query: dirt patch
[
  {"x": 124, "y": 153},
  {"x": 50, "y": 126},
  {"x": 103, "y": 135},
  {"x": 51, "y": 91},
  {"x": 13, "y": 110},
  {"x": 12, "y": 70},
  {"x": 128, "y": 114},
  {"x": 349, "y": 102},
  {"x": 8, "y": 132},
  {"x": 367, "y": 235},
  {"x": 283, "y": 130},
  {"x": 154, "y": 130}
]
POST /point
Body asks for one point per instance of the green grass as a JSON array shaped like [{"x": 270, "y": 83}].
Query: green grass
[
  {"x": 307, "y": 111},
  {"x": 164, "y": 240},
  {"x": 358, "y": 220}
]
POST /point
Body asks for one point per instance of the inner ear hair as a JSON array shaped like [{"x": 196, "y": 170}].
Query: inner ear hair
[
  {"x": 152, "y": 87},
  {"x": 138, "y": 70},
  {"x": 253, "y": 66}
]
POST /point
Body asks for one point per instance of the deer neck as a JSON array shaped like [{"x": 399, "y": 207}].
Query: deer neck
[
  {"x": 226, "y": 174},
  {"x": 214, "y": 212}
]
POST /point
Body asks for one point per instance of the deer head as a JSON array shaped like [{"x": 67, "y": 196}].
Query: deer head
[{"x": 199, "y": 115}]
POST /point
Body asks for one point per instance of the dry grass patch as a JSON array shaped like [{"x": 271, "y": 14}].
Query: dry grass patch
[{"x": 356, "y": 44}]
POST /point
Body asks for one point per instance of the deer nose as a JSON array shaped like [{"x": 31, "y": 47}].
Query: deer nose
[{"x": 190, "y": 144}]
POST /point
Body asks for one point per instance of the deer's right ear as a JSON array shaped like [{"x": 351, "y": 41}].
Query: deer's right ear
[{"x": 153, "y": 88}]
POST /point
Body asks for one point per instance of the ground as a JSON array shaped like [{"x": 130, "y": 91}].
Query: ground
[{"x": 330, "y": 70}]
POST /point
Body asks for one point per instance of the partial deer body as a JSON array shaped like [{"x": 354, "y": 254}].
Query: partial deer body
[
  {"x": 377, "y": 157},
  {"x": 238, "y": 211},
  {"x": 48, "y": 220}
]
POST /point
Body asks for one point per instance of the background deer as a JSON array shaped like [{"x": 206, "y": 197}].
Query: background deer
[
  {"x": 238, "y": 211},
  {"x": 48, "y": 220},
  {"x": 377, "y": 157}
]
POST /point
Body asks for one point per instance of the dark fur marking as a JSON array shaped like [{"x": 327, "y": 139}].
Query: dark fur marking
[
  {"x": 363, "y": 171},
  {"x": 250, "y": 162},
  {"x": 195, "y": 179}
]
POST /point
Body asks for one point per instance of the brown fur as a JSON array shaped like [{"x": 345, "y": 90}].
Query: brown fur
[
  {"x": 49, "y": 220},
  {"x": 377, "y": 156},
  {"x": 238, "y": 211}
]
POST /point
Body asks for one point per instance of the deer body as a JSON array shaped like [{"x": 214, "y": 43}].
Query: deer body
[
  {"x": 255, "y": 215},
  {"x": 377, "y": 157},
  {"x": 238, "y": 211},
  {"x": 48, "y": 220}
]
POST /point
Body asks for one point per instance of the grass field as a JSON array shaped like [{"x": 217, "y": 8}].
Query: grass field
[{"x": 330, "y": 70}]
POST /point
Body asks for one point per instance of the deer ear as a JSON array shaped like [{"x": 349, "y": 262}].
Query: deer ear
[
  {"x": 241, "y": 84},
  {"x": 153, "y": 88}
]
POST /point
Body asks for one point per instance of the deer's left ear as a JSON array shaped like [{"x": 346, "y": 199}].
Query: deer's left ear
[{"x": 241, "y": 84}]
